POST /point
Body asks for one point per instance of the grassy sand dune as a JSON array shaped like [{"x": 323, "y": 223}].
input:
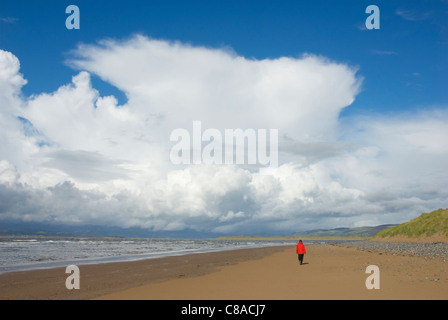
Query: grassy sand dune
[{"x": 429, "y": 227}]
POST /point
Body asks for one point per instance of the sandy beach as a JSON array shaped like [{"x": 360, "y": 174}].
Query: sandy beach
[{"x": 273, "y": 273}]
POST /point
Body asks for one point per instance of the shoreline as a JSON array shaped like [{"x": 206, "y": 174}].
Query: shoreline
[
  {"x": 267, "y": 273},
  {"x": 103, "y": 278},
  {"x": 128, "y": 257},
  {"x": 46, "y": 265}
]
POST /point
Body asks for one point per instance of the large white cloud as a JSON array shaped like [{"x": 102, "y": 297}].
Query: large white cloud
[
  {"x": 74, "y": 156},
  {"x": 171, "y": 84}
]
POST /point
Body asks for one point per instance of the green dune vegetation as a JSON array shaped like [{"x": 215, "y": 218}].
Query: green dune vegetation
[{"x": 430, "y": 226}]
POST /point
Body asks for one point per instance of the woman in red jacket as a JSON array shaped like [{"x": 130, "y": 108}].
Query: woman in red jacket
[{"x": 300, "y": 250}]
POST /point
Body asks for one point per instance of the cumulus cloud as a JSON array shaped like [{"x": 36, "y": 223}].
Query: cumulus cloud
[
  {"x": 74, "y": 156},
  {"x": 171, "y": 84}
]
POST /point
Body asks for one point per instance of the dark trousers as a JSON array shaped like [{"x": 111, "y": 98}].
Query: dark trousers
[{"x": 301, "y": 258}]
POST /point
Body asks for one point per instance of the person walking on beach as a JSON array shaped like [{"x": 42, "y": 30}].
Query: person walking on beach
[{"x": 301, "y": 251}]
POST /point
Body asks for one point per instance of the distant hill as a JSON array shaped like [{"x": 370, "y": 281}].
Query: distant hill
[
  {"x": 361, "y": 232},
  {"x": 42, "y": 229},
  {"x": 430, "y": 224}
]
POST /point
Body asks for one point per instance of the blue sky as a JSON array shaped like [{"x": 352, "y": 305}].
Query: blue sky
[
  {"x": 404, "y": 63},
  {"x": 86, "y": 114}
]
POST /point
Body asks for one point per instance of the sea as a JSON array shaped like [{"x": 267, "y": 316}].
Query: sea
[{"x": 20, "y": 253}]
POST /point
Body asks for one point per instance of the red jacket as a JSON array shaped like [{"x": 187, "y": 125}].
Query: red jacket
[{"x": 300, "y": 248}]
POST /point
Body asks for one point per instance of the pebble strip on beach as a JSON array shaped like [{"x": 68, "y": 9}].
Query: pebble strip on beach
[{"x": 435, "y": 249}]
